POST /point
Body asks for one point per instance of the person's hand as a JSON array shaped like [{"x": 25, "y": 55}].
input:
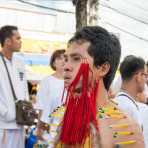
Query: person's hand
[
  {"x": 41, "y": 127},
  {"x": 39, "y": 133}
]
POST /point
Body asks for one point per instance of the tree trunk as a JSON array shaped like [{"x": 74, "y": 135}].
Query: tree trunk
[
  {"x": 92, "y": 9},
  {"x": 86, "y": 12},
  {"x": 81, "y": 13}
]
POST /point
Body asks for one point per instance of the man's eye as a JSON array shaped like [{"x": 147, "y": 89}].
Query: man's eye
[{"x": 76, "y": 58}]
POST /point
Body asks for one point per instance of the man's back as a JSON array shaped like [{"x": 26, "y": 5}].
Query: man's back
[
  {"x": 116, "y": 129},
  {"x": 120, "y": 130}
]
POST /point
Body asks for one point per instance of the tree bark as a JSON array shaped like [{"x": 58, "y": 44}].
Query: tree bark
[
  {"x": 86, "y": 12},
  {"x": 81, "y": 13},
  {"x": 92, "y": 9}
]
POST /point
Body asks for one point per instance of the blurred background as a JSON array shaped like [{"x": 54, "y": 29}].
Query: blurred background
[{"x": 46, "y": 25}]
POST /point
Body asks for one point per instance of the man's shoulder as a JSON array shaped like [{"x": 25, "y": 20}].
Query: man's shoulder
[
  {"x": 120, "y": 129},
  {"x": 124, "y": 98},
  {"x": 128, "y": 105},
  {"x": 18, "y": 62},
  {"x": 116, "y": 129}
]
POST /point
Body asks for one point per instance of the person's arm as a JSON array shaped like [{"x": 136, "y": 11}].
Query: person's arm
[
  {"x": 6, "y": 112},
  {"x": 39, "y": 129},
  {"x": 41, "y": 126},
  {"x": 3, "y": 110}
]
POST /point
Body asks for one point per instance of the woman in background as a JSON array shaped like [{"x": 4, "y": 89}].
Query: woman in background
[{"x": 49, "y": 95}]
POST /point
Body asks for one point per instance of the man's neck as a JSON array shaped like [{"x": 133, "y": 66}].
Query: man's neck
[
  {"x": 130, "y": 89},
  {"x": 102, "y": 95},
  {"x": 6, "y": 53}
]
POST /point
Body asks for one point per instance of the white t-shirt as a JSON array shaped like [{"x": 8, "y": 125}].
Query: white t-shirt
[
  {"x": 129, "y": 106},
  {"x": 7, "y": 106},
  {"x": 144, "y": 118},
  {"x": 49, "y": 96}
]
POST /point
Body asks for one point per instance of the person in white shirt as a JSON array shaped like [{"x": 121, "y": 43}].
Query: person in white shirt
[
  {"x": 143, "y": 108},
  {"x": 133, "y": 75},
  {"x": 11, "y": 134},
  {"x": 50, "y": 93}
]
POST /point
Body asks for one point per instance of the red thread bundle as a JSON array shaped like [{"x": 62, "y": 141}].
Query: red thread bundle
[{"x": 80, "y": 110}]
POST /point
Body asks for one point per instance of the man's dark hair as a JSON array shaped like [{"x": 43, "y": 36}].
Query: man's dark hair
[
  {"x": 104, "y": 47},
  {"x": 131, "y": 65},
  {"x": 6, "y": 32},
  {"x": 56, "y": 54}
]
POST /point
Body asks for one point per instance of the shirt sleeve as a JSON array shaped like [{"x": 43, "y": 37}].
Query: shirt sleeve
[
  {"x": 3, "y": 109},
  {"x": 5, "y": 112}
]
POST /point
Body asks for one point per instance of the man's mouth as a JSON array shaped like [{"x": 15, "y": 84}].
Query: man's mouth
[{"x": 67, "y": 79}]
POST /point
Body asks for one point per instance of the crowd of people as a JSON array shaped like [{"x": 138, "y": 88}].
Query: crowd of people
[{"x": 80, "y": 105}]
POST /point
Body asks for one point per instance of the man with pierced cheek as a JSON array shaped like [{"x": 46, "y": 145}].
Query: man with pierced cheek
[{"x": 91, "y": 119}]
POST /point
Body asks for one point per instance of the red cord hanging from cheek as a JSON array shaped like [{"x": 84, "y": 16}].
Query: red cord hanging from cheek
[{"x": 80, "y": 110}]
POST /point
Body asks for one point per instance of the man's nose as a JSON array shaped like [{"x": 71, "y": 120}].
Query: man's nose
[{"x": 67, "y": 67}]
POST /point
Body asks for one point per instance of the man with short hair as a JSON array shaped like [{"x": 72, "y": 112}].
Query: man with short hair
[
  {"x": 91, "y": 120},
  {"x": 133, "y": 74},
  {"x": 11, "y": 134}
]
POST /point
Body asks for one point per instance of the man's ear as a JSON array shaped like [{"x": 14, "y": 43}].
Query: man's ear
[
  {"x": 103, "y": 69},
  {"x": 137, "y": 77},
  {"x": 7, "y": 41}
]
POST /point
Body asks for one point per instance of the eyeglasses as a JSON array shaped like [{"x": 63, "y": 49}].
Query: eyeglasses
[{"x": 143, "y": 74}]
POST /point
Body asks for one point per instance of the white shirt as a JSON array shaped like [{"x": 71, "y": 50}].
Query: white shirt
[
  {"x": 144, "y": 118},
  {"x": 128, "y": 106},
  {"x": 49, "y": 96},
  {"x": 7, "y": 106}
]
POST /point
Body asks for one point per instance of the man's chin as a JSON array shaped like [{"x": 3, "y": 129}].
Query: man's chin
[{"x": 67, "y": 83}]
